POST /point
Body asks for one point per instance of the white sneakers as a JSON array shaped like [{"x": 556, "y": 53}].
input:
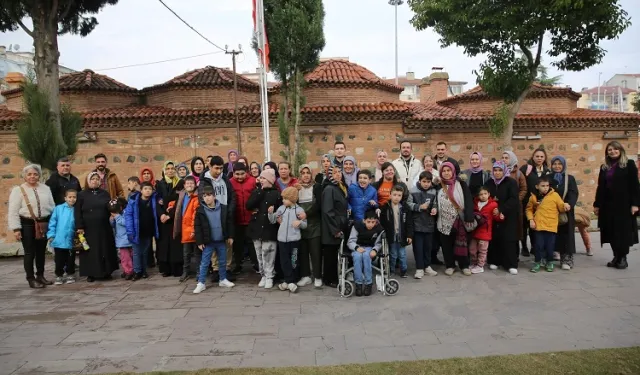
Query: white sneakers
[
  {"x": 290, "y": 287},
  {"x": 477, "y": 269},
  {"x": 430, "y": 272},
  {"x": 283, "y": 286},
  {"x": 59, "y": 281},
  {"x": 419, "y": 274},
  {"x": 262, "y": 282},
  {"x": 199, "y": 288},
  {"x": 466, "y": 272},
  {"x": 513, "y": 271},
  {"x": 223, "y": 283},
  {"x": 566, "y": 267},
  {"x": 226, "y": 283},
  {"x": 317, "y": 283},
  {"x": 304, "y": 281},
  {"x": 493, "y": 267},
  {"x": 449, "y": 271},
  {"x": 268, "y": 284}
]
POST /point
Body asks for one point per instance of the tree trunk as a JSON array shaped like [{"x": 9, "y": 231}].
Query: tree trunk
[
  {"x": 513, "y": 112},
  {"x": 45, "y": 42},
  {"x": 296, "y": 124},
  {"x": 285, "y": 118}
]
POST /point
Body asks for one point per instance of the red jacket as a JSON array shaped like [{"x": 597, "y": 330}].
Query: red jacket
[
  {"x": 243, "y": 191},
  {"x": 483, "y": 232}
]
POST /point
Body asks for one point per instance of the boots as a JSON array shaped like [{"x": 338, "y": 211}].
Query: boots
[
  {"x": 622, "y": 263},
  {"x": 358, "y": 290},
  {"x": 614, "y": 262},
  {"x": 42, "y": 280},
  {"x": 367, "y": 290},
  {"x": 35, "y": 284}
]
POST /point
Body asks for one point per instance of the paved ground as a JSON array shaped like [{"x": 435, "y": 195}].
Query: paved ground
[{"x": 158, "y": 324}]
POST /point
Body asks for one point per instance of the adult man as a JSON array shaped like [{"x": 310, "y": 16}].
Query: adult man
[
  {"x": 243, "y": 185},
  {"x": 339, "y": 152},
  {"x": 441, "y": 157},
  {"x": 61, "y": 180},
  {"x": 407, "y": 165},
  {"x": 108, "y": 180}
]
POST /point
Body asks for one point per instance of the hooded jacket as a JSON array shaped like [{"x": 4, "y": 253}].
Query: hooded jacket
[
  {"x": 260, "y": 228},
  {"x": 286, "y": 231},
  {"x": 484, "y": 232},
  {"x": 423, "y": 221},
  {"x": 545, "y": 211},
  {"x": 62, "y": 227},
  {"x": 184, "y": 223}
]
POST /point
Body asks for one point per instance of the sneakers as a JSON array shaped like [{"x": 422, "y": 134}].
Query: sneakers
[
  {"x": 403, "y": 274},
  {"x": 59, "y": 281},
  {"x": 466, "y": 272},
  {"x": 535, "y": 268},
  {"x": 317, "y": 283},
  {"x": 513, "y": 271},
  {"x": 493, "y": 267},
  {"x": 549, "y": 267},
  {"x": 565, "y": 267},
  {"x": 283, "y": 286},
  {"x": 226, "y": 283},
  {"x": 589, "y": 252},
  {"x": 430, "y": 272},
  {"x": 304, "y": 281},
  {"x": 292, "y": 288},
  {"x": 199, "y": 288},
  {"x": 268, "y": 284},
  {"x": 556, "y": 255},
  {"x": 449, "y": 271},
  {"x": 477, "y": 269},
  {"x": 419, "y": 274},
  {"x": 262, "y": 282},
  {"x": 70, "y": 279}
]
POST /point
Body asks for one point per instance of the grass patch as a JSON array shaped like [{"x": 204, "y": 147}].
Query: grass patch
[{"x": 621, "y": 361}]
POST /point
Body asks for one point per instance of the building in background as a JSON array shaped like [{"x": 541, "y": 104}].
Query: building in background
[
  {"x": 627, "y": 81},
  {"x": 412, "y": 85},
  {"x": 612, "y": 98}
]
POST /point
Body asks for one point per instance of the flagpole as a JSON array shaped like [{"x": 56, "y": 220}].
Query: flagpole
[{"x": 264, "y": 98}]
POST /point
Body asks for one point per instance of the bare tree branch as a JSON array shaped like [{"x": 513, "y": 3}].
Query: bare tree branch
[
  {"x": 527, "y": 53},
  {"x": 539, "y": 53},
  {"x": 25, "y": 28}
]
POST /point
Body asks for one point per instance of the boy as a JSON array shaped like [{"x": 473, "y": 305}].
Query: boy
[
  {"x": 288, "y": 236},
  {"x": 365, "y": 241},
  {"x": 396, "y": 219},
  {"x": 61, "y": 233},
  {"x": 543, "y": 210},
  {"x": 183, "y": 226},
  {"x": 141, "y": 219},
  {"x": 362, "y": 196},
  {"x": 424, "y": 223},
  {"x": 213, "y": 226},
  {"x": 133, "y": 185}
]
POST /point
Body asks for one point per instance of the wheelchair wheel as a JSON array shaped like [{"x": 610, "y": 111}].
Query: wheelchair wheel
[
  {"x": 349, "y": 288},
  {"x": 391, "y": 287}
]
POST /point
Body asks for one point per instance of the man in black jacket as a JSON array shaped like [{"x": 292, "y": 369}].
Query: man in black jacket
[
  {"x": 441, "y": 157},
  {"x": 62, "y": 180}
]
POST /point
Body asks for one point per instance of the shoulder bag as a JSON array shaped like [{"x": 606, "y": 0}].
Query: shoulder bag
[{"x": 39, "y": 226}]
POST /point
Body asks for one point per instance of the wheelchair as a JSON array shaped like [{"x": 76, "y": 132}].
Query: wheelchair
[{"x": 380, "y": 270}]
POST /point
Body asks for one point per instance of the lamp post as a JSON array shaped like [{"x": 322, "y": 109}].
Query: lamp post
[
  {"x": 599, "y": 75},
  {"x": 395, "y": 4}
]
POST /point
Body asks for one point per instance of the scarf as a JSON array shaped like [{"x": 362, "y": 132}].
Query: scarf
[
  {"x": 230, "y": 164},
  {"x": 452, "y": 187},
  {"x": 153, "y": 179},
  {"x": 310, "y": 183},
  {"x": 460, "y": 247},
  {"x": 477, "y": 169},
  {"x": 513, "y": 161},
  {"x": 172, "y": 181},
  {"x": 499, "y": 164},
  {"x": 91, "y": 174},
  {"x": 559, "y": 176},
  {"x": 352, "y": 177},
  {"x": 339, "y": 184}
]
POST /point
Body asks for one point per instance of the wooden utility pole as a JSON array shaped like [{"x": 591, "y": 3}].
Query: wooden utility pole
[{"x": 233, "y": 54}]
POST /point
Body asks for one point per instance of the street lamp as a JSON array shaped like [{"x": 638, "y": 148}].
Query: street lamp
[{"x": 395, "y": 4}]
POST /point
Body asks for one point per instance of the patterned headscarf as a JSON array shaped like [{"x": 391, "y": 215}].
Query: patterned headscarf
[
  {"x": 91, "y": 174},
  {"x": 339, "y": 184},
  {"x": 499, "y": 164}
]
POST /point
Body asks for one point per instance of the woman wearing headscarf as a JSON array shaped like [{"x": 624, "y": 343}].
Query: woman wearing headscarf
[
  {"x": 616, "y": 204},
  {"x": 169, "y": 249},
  {"x": 455, "y": 208},
  {"x": 92, "y": 219},
  {"x": 476, "y": 177},
  {"x": 197, "y": 168},
  {"x": 503, "y": 249},
  {"x": 334, "y": 223},
  {"x": 351, "y": 170},
  {"x": 381, "y": 158},
  {"x": 511, "y": 161},
  {"x": 311, "y": 244},
  {"x": 565, "y": 185},
  {"x": 146, "y": 175},
  {"x": 182, "y": 170},
  {"x": 535, "y": 168},
  {"x": 325, "y": 163},
  {"x": 232, "y": 156}
]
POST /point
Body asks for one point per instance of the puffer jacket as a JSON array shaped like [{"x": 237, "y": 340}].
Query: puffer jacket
[
  {"x": 423, "y": 221},
  {"x": 243, "y": 191},
  {"x": 119, "y": 226},
  {"x": 286, "y": 232},
  {"x": 260, "y": 228},
  {"x": 359, "y": 200},
  {"x": 132, "y": 217},
  {"x": 62, "y": 227},
  {"x": 484, "y": 231},
  {"x": 545, "y": 211}
]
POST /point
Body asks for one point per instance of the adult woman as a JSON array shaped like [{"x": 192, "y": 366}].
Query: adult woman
[
  {"x": 511, "y": 161},
  {"x": 227, "y": 169},
  {"x": 535, "y": 168},
  {"x": 169, "y": 249},
  {"x": 503, "y": 249},
  {"x": 350, "y": 170},
  {"x": 311, "y": 243},
  {"x": 92, "y": 220},
  {"x": 565, "y": 185},
  {"x": 255, "y": 169},
  {"x": 427, "y": 163},
  {"x": 325, "y": 163},
  {"x": 30, "y": 206},
  {"x": 285, "y": 178},
  {"x": 455, "y": 207},
  {"x": 244, "y": 160},
  {"x": 334, "y": 223},
  {"x": 616, "y": 204},
  {"x": 381, "y": 158},
  {"x": 476, "y": 177},
  {"x": 146, "y": 175},
  {"x": 182, "y": 170},
  {"x": 197, "y": 168}
]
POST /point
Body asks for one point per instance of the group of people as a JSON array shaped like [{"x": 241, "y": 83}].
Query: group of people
[{"x": 219, "y": 214}]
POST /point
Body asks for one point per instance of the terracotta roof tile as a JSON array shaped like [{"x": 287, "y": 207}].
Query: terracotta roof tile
[
  {"x": 86, "y": 80},
  {"x": 209, "y": 76},
  {"x": 8, "y": 117},
  {"x": 433, "y": 111},
  {"x": 538, "y": 91},
  {"x": 332, "y": 73}
]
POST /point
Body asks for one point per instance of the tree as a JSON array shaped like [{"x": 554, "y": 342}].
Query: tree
[
  {"x": 50, "y": 18},
  {"x": 36, "y": 131},
  {"x": 636, "y": 103},
  {"x": 296, "y": 37},
  {"x": 499, "y": 28},
  {"x": 544, "y": 79}
]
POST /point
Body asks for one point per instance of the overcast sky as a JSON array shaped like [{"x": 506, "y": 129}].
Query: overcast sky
[{"x": 141, "y": 31}]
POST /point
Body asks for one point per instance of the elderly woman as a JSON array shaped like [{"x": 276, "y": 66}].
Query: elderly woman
[
  {"x": 30, "y": 206},
  {"x": 381, "y": 158},
  {"x": 350, "y": 170},
  {"x": 92, "y": 220}
]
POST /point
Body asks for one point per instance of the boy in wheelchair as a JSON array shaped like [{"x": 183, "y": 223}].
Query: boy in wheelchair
[{"x": 365, "y": 241}]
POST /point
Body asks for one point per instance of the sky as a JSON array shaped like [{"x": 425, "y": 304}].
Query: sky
[{"x": 142, "y": 31}]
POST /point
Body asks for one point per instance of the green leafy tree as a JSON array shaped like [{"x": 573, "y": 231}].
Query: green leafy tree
[
  {"x": 636, "y": 103},
  {"x": 573, "y": 29},
  {"x": 36, "y": 133},
  {"x": 50, "y": 18},
  {"x": 544, "y": 79},
  {"x": 296, "y": 37}
]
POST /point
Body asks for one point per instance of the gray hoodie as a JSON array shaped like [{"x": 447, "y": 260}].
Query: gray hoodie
[{"x": 286, "y": 232}]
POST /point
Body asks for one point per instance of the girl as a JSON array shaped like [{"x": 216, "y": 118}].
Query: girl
[
  {"x": 475, "y": 176},
  {"x": 117, "y": 221},
  {"x": 565, "y": 185},
  {"x": 483, "y": 206}
]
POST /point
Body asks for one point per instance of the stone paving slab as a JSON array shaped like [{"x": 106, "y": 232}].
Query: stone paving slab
[{"x": 158, "y": 324}]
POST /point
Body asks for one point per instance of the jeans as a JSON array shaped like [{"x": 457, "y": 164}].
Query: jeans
[
  {"x": 398, "y": 252},
  {"x": 141, "y": 255},
  {"x": 289, "y": 260},
  {"x": 362, "y": 273},
  {"x": 189, "y": 251},
  {"x": 220, "y": 248},
  {"x": 422, "y": 245},
  {"x": 545, "y": 245},
  {"x": 64, "y": 258}
]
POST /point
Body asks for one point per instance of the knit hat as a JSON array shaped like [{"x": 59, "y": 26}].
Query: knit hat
[
  {"x": 269, "y": 175},
  {"x": 290, "y": 194}
]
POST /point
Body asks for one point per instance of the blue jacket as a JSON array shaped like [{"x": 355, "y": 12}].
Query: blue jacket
[
  {"x": 132, "y": 217},
  {"x": 62, "y": 227},
  {"x": 119, "y": 226},
  {"x": 359, "y": 200}
]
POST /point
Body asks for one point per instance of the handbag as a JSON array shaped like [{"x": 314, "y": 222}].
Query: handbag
[
  {"x": 563, "y": 218},
  {"x": 39, "y": 226}
]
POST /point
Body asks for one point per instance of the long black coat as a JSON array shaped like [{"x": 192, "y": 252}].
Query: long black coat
[
  {"x": 334, "y": 213},
  {"x": 617, "y": 226},
  {"x": 91, "y": 215},
  {"x": 168, "y": 249},
  {"x": 506, "y": 194},
  {"x": 566, "y": 238},
  {"x": 260, "y": 228}
]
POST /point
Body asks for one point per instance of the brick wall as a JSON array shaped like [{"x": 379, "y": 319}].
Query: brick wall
[
  {"x": 316, "y": 96},
  {"x": 529, "y": 106},
  {"x": 200, "y": 98},
  {"x": 434, "y": 91},
  {"x": 83, "y": 101},
  {"x": 14, "y": 103}
]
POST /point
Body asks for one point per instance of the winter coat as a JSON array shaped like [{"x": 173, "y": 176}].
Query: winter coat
[
  {"x": 286, "y": 231},
  {"x": 566, "y": 239},
  {"x": 132, "y": 217},
  {"x": 260, "y": 228},
  {"x": 242, "y": 192},
  {"x": 531, "y": 176},
  {"x": 406, "y": 223},
  {"x": 423, "y": 221},
  {"x": 359, "y": 200},
  {"x": 183, "y": 226},
  {"x": 506, "y": 195},
  {"x": 466, "y": 176},
  {"x": 62, "y": 227},
  {"x": 119, "y": 226},
  {"x": 202, "y": 228},
  {"x": 312, "y": 209},
  {"x": 484, "y": 232},
  {"x": 407, "y": 171},
  {"x": 59, "y": 185},
  {"x": 523, "y": 195},
  {"x": 545, "y": 211},
  {"x": 334, "y": 213},
  {"x": 112, "y": 185}
]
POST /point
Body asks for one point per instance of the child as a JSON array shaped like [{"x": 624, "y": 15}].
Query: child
[
  {"x": 118, "y": 223},
  {"x": 141, "y": 219},
  {"x": 61, "y": 233},
  {"x": 213, "y": 226},
  {"x": 396, "y": 219},
  {"x": 365, "y": 241},
  {"x": 424, "y": 223},
  {"x": 289, "y": 236},
  {"x": 483, "y": 205},
  {"x": 543, "y": 210},
  {"x": 362, "y": 196},
  {"x": 184, "y": 224},
  {"x": 133, "y": 185}
]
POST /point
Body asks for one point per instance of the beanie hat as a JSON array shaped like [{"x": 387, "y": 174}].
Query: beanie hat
[
  {"x": 290, "y": 194},
  {"x": 269, "y": 175}
]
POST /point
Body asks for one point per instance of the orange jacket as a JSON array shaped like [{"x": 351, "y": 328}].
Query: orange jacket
[{"x": 183, "y": 226}]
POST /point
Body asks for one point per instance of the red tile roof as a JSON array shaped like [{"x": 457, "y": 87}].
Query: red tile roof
[
  {"x": 8, "y": 117},
  {"x": 342, "y": 73},
  {"x": 610, "y": 89},
  {"x": 207, "y": 77},
  {"x": 433, "y": 111},
  {"x": 86, "y": 80},
  {"x": 537, "y": 91}
]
